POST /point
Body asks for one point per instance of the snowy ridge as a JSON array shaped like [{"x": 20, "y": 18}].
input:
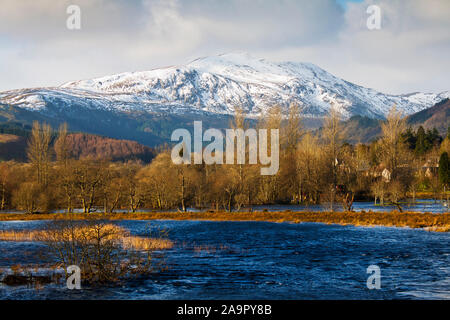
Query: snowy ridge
[{"x": 218, "y": 84}]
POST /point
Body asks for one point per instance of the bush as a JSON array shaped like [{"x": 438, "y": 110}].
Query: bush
[
  {"x": 26, "y": 197},
  {"x": 103, "y": 251}
]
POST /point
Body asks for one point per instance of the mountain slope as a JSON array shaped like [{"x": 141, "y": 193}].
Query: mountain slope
[
  {"x": 437, "y": 117},
  {"x": 81, "y": 145},
  {"x": 361, "y": 129},
  {"x": 218, "y": 84},
  {"x": 145, "y": 106},
  {"x": 12, "y": 147},
  {"x": 364, "y": 129}
]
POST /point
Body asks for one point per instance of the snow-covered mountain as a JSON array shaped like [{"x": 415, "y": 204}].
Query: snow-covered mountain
[{"x": 216, "y": 85}]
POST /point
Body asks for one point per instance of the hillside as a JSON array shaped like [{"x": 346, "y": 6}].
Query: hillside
[
  {"x": 361, "y": 129},
  {"x": 437, "y": 117},
  {"x": 13, "y": 147},
  {"x": 85, "y": 145},
  {"x": 364, "y": 129}
]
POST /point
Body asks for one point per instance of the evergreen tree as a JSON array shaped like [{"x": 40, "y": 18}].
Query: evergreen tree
[
  {"x": 433, "y": 138},
  {"x": 421, "y": 141},
  {"x": 410, "y": 138},
  {"x": 444, "y": 169}
]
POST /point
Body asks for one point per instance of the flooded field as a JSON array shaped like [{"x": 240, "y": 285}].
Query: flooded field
[{"x": 262, "y": 260}]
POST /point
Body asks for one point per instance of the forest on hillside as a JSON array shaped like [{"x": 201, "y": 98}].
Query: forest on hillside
[{"x": 14, "y": 137}]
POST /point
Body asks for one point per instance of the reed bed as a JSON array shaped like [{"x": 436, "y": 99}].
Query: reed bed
[
  {"x": 109, "y": 232},
  {"x": 147, "y": 244},
  {"x": 20, "y": 236}
]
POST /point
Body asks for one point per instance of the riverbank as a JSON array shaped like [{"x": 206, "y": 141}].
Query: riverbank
[{"x": 428, "y": 221}]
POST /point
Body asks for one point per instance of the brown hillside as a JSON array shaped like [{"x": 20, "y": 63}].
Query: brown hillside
[
  {"x": 86, "y": 145},
  {"x": 437, "y": 117},
  {"x": 12, "y": 147}
]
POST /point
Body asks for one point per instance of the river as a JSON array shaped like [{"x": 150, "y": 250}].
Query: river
[{"x": 263, "y": 260}]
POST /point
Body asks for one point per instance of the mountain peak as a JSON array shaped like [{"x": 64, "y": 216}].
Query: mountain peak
[
  {"x": 247, "y": 62},
  {"x": 218, "y": 84},
  {"x": 234, "y": 57}
]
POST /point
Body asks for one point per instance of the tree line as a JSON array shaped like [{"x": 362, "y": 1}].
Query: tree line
[{"x": 315, "y": 168}]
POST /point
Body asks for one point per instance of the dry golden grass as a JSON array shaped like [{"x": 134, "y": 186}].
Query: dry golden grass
[
  {"x": 20, "y": 236},
  {"x": 147, "y": 244},
  {"x": 427, "y": 194},
  {"x": 5, "y": 138},
  {"x": 439, "y": 229},
  {"x": 394, "y": 218},
  {"x": 109, "y": 231}
]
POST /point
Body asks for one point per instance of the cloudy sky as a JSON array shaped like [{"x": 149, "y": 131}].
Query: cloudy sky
[{"x": 409, "y": 53}]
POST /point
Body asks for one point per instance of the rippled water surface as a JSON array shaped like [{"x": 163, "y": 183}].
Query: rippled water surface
[
  {"x": 420, "y": 205},
  {"x": 261, "y": 260}
]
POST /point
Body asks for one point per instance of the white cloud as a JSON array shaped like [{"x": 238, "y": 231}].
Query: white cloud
[{"x": 409, "y": 53}]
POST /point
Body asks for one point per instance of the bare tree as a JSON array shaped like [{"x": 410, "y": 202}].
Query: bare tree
[
  {"x": 291, "y": 133},
  {"x": 269, "y": 187},
  {"x": 62, "y": 146},
  {"x": 160, "y": 181},
  {"x": 396, "y": 191},
  {"x": 26, "y": 197},
  {"x": 293, "y": 130},
  {"x": 309, "y": 163},
  {"x": 88, "y": 175},
  {"x": 332, "y": 135},
  {"x": 39, "y": 151},
  {"x": 378, "y": 190},
  {"x": 5, "y": 173},
  {"x": 133, "y": 189},
  {"x": 393, "y": 146}
]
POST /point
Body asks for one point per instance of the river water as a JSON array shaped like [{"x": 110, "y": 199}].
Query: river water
[{"x": 263, "y": 260}]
